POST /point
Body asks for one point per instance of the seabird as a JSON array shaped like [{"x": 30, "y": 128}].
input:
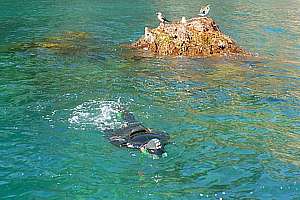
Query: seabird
[
  {"x": 183, "y": 20},
  {"x": 148, "y": 35},
  {"x": 204, "y": 11},
  {"x": 147, "y": 32},
  {"x": 161, "y": 18}
]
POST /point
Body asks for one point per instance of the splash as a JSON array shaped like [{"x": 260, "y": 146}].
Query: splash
[{"x": 102, "y": 115}]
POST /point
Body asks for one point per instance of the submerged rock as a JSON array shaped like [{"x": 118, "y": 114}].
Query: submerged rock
[
  {"x": 67, "y": 43},
  {"x": 194, "y": 37}
]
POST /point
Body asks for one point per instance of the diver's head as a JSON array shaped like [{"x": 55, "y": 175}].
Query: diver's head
[{"x": 154, "y": 146}]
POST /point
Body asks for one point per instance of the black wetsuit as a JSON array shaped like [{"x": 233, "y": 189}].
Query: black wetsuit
[{"x": 135, "y": 135}]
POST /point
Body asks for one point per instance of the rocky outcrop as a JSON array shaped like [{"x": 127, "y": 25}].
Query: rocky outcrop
[{"x": 199, "y": 36}]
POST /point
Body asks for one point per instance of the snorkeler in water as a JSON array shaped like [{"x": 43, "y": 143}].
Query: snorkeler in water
[{"x": 135, "y": 135}]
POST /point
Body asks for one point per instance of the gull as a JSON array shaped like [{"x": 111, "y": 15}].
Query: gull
[
  {"x": 147, "y": 32},
  {"x": 161, "y": 18},
  {"x": 148, "y": 35},
  {"x": 183, "y": 20},
  {"x": 204, "y": 11}
]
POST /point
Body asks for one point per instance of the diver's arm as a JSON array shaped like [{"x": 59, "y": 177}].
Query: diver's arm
[{"x": 129, "y": 117}]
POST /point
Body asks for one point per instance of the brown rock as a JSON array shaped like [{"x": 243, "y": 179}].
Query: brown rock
[{"x": 199, "y": 36}]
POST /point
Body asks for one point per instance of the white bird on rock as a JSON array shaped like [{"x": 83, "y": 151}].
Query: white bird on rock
[
  {"x": 204, "y": 11},
  {"x": 148, "y": 35},
  {"x": 183, "y": 20},
  {"x": 147, "y": 32},
  {"x": 161, "y": 18}
]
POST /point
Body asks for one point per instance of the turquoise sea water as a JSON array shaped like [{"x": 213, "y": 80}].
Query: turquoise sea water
[{"x": 234, "y": 124}]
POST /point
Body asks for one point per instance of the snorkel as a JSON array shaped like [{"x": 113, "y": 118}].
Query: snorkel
[{"x": 154, "y": 148}]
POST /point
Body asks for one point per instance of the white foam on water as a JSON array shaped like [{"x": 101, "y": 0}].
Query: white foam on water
[{"x": 102, "y": 115}]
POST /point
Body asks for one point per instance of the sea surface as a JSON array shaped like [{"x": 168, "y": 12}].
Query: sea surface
[{"x": 234, "y": 123}]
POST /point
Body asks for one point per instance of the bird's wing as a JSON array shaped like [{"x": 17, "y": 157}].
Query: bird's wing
[{"x": 165, "y": 19}]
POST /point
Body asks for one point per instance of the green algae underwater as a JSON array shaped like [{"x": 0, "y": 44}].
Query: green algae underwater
[{"x": 234, "y": 124}]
